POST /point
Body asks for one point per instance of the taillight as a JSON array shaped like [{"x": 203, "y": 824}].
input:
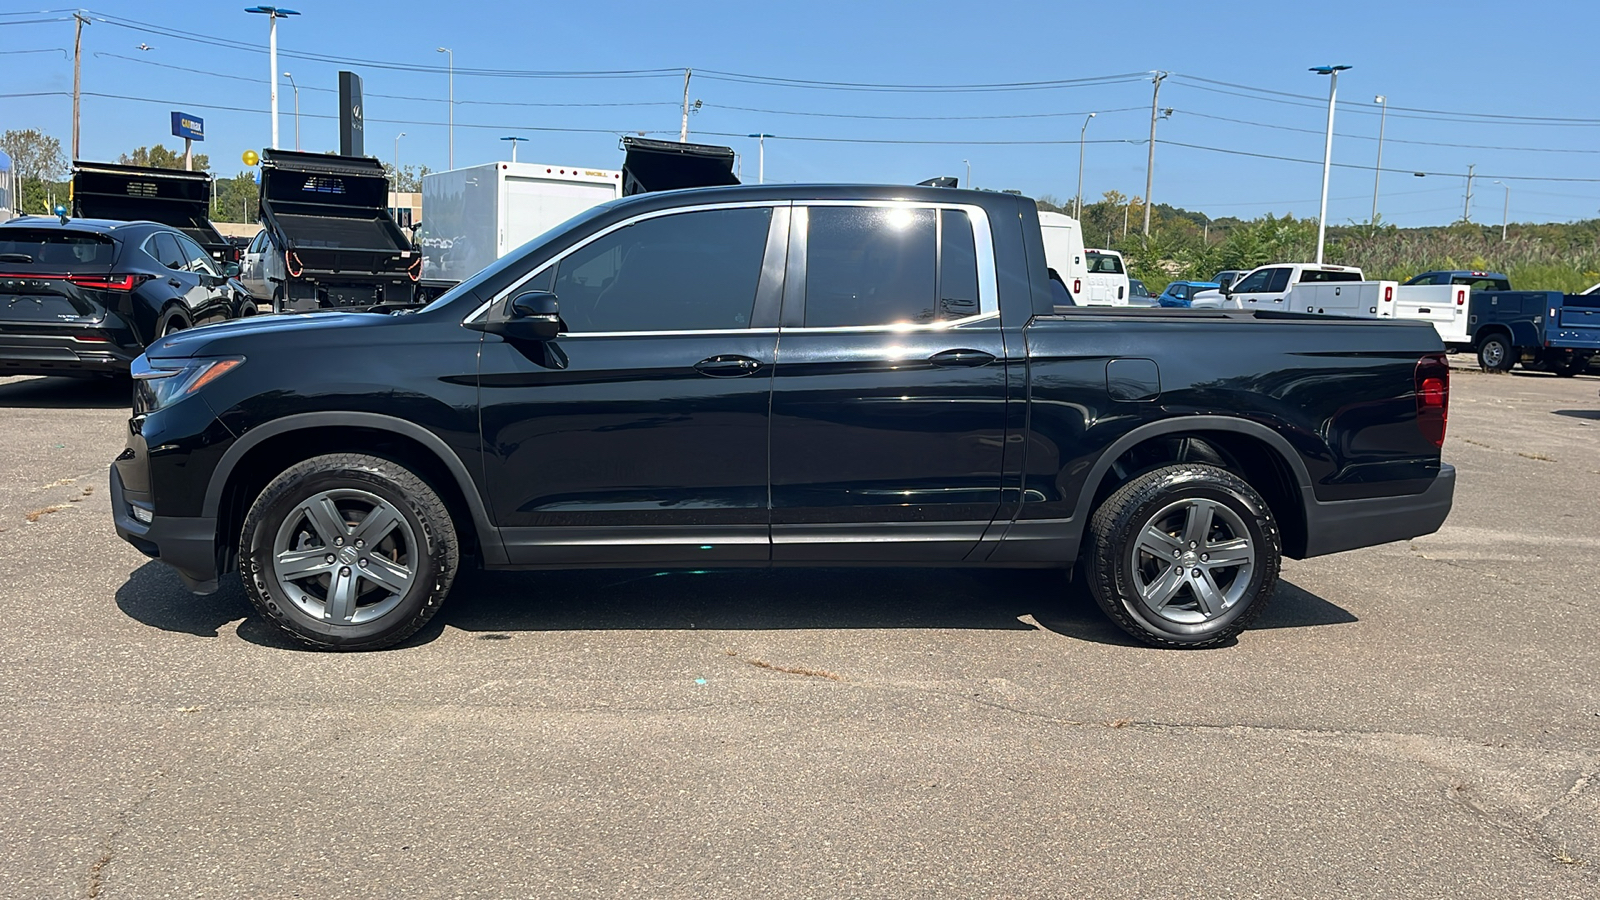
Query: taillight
[
  {"x": 1077, "y": 286},
  {"x": 1461, "y": 298},
  {"x": 1433, "y": 397},
  {"x": 1388, "y": 293},
  {"x": 108, "y": 282}
]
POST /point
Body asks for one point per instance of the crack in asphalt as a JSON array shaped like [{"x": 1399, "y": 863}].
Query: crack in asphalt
[{"x": 97, "y": 869}]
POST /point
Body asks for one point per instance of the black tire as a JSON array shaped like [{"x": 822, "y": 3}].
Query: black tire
[
  {"x": 1577, "y": 365},
  {"x": 421, "y": 545},
  {"x": 171, "y": 323},
  {"x": 1119, "y": 564},
  {"x": 279, "y": 298},
  {"x": 1495, "y": 353}
]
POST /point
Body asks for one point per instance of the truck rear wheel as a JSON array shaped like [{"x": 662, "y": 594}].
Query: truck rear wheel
[
  {"x": 1184, "y": 556},
  {"x": 1574, "y": 365},
  {"x": 348, "y": 552},
  {"x": 1495, "y": 354}
]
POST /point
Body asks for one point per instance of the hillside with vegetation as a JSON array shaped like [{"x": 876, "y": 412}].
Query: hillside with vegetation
[{"x": 1187, "y": 245}]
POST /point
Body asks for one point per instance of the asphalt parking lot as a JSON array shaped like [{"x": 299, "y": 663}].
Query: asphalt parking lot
[{"x": 1415, "y": 720}]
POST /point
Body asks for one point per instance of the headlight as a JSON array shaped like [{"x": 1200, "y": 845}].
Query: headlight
[{"x": 161, "y": 383}]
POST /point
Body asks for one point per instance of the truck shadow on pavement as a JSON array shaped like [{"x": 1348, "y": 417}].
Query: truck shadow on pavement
[
  {"x": 1592, "y": 415},
  {"x": 56, "y": 392},
  {"x": 490, "y": 604}
]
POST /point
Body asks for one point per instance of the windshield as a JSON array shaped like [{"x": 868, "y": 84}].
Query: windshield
[
  {"x": 1104, "y": 263},
  {"x": 63, "y": 250},
  {"x": 514, "y": 259}
]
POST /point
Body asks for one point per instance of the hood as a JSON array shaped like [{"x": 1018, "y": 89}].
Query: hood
[{"x": 235, "y": 337}]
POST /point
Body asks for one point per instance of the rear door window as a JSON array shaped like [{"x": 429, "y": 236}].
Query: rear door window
[
  {"x": 873, "y": 266},
  {"x": 1276, "y": 280},
  {"x": 49, "y": 249},
  {"x": 164, "y": 247}
]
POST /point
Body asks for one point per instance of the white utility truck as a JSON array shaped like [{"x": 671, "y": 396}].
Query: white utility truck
[
  {"x": 473, "y": 216},
  {"x": 1063, "y": 250},
  {"x": 1107, "y": 281}
]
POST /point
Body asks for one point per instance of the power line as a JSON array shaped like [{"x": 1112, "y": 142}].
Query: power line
[
  {"x": 1551, "y": 120},
  {"x": 1368, "y": 137},
  {"x": 789, "y": 112},
  {"x": 990, "y": 87},
  {"x": 1371, "y": 168}
]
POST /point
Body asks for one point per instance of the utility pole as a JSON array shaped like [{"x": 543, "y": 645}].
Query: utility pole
[
  {"x": 1377, "y": 171},
  {"x": 1125, "y": 211},
  {"x": 1078, "y": 206},
  {"x": 1505, "y": 211},
  {"x": 683, "y": 133},
  {"x": 77, "y": 66},
  {"x": 1466, "y": 214},
  {"x": 1150, "y": 164}
]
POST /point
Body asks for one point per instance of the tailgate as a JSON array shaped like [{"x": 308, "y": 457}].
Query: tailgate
[
  {"x": 1437, "y": 303},
  {"x": 668, "y": 166},
  {"x": 49, "y": 277},
  {"x": 1577, "y": 321}
]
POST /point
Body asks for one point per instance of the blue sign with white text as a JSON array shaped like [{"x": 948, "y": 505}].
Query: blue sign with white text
[{"x": 187, "y": 126}]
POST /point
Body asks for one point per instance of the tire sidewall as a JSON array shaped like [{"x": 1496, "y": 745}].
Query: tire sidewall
[
  {"x": 1505, "y": 353},
  {"x": 261, "y": 527},
  {"x": 1263, "y": 533}
]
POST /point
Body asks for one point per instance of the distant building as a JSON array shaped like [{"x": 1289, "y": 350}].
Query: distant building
[{"x": 405, "y": 207}]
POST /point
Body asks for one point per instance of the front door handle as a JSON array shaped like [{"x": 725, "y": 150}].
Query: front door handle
[
  {"x": 727, "y": 366},
  {"x": 969, "y": 359}
]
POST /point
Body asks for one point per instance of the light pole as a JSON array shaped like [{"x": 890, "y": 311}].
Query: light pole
[
  {"x": 296, "y": 109},
  {"x": 514, "y": 141},
  {"x": 1077, "y": 212},
  {"x": 273, "y": 14},
  {"x": 969, "y": 173},
  {"x": 397, "y": 157},
  {"x": 1377, "y": 171},
  {"x": 452, "y": 57},
  {"x": 1327, "y": 151},
  {"x": 761, "y": 164},
  {"x": 1505, "y": 212}
]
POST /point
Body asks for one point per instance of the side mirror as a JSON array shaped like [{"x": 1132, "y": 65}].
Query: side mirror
[
  {"x": 1227, "y": 289},
  {"x": 534, "y": 316},
  {"x": 230, "y": 270}
]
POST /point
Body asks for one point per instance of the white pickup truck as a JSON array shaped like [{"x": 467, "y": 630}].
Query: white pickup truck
[{"x": 1304, "y": 288}]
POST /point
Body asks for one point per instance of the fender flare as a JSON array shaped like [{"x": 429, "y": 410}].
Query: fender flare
[
  {"x": 488, "y": 535},
  {"x": 1229, "y": 424}
]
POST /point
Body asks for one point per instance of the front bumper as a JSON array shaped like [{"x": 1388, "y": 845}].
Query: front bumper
[
  {"x": 1341, "y": 525},
  {"x": 36, "y": 353},
  {"x": 188, "y": 545}
]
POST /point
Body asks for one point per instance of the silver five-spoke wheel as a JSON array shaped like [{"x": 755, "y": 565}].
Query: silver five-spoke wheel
[
  {"x": 344, "y": 556},
  {"x": 1192, "y": 561}
]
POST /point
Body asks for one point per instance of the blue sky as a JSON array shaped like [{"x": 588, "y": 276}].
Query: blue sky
[{"x": 1467, "y": 60}]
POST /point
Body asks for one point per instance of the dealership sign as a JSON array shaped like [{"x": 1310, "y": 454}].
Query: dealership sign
[{"x": 187, "y": 126}]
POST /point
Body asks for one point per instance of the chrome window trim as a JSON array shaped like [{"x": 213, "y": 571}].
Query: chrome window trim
[
  {"x": 593, "y": 334},
  {"x": 654, "y": 214},
  {"x": 982, "y": 236}
]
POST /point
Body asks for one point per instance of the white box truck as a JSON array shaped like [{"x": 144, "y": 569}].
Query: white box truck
[
  {"x": 473, "y": 216},
  {"x": 1063, "y": 250}
]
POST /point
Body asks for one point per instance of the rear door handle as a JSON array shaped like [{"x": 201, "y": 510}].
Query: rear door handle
[
  {"x": 174, "y": 282},
  {"x": 727, "y": 366},
  {"x": 961, "y": 358}
]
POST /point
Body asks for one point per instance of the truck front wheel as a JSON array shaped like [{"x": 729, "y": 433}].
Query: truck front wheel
[
  {"x": 1184, "y": 556},
  {"x": 1495, "y": 354},
  {"x": 348, "y": 552}
]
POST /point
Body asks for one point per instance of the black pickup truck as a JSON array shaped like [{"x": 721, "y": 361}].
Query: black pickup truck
[
  {"x": 783, "y": 376},
  {"x": 327, "y": 240},
  {"x": 173, "y": 197}
]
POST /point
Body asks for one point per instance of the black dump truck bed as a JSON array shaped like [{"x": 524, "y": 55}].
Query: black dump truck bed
[
  {"x": 172, "y": 197},
  {"x": 329, "y": 216},
  {"x": 668, "y": 165}
]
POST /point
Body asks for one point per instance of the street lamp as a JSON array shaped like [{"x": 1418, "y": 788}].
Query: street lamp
[
  {"x": 1505, "y": 212},
  {"x": 761, "y": 165},
  {"x": 452, "y": 57},
  {"x": 969, "y": 174},
  {"x": 1078, "y": 210},
  {"x": 1377, "y": 171},
  {"x": 397, "y": 156},
  {"x": 1327, "y": 151},
  {"x": 273, "y": 14},
  {"x": 514, "y": 141},
  {"x": 296, "y": 109}
]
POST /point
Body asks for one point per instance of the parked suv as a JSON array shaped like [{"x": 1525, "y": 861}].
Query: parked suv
[{"x": 85, "y": 296}]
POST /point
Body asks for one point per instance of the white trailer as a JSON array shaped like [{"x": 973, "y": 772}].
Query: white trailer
[{"x": 473, "y": 216}]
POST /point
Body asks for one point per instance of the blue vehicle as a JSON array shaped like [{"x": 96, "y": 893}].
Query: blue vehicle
[
  {"x": 1179, "y": 293},
  {"x": 1543, "y": 330}
]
